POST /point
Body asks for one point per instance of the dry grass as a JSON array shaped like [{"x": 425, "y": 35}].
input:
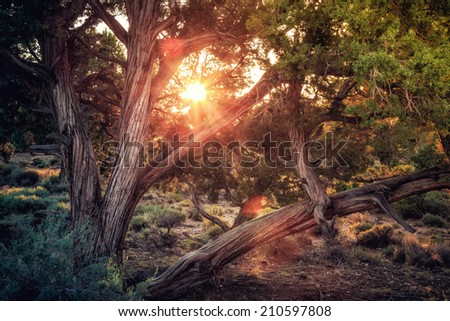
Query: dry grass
[{"x": 45, "y": 173}]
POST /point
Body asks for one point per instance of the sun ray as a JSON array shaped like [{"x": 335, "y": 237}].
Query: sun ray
[{"x": 195, "y": 92}]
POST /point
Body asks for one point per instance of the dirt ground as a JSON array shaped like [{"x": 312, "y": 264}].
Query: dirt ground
[{"x": 299, "y": 268}]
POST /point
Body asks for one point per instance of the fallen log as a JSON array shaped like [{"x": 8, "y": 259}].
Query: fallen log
[{"x": 203, "y": 264}]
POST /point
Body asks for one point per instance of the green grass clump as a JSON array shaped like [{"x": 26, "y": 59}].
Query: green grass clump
[
  {"x": 21, "y": 204},
  {"x": 433, "y": 220},
  {"x": 55, "y": 184},
  {"x": 213, "y": 232},
  {"x": 361, "y": 227}
]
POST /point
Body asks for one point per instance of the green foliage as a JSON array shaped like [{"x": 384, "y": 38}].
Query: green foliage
[
  {"x": 379, "y": 236},
  {"x": 40, "y": 162},
  {"x": 157, "y": 215},
  {"x": 39, "y": 266},
  {"x": 175, "y": 197},
  {"x": 7, "y": 151},
  {"x": 415, "y": 207},
  {"x": 433, "y": 220},
  {"x": 213, "y": 231},
  {"x": 427, "y": 156},
  {"x": 21, "y": 204},
  {"x": 408, "y": 210},
  {"x": 167, "y": 219},
  {"x": 361, "y": 227},
  {"x": 55, "y": 184},
  {"x": 20, "y": 200},
  {"x": 26, "y": 178},
  {"x": 139, "y": 222}
]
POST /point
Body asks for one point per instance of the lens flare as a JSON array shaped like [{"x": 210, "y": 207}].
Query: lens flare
[{"x": 195, "y": 92}]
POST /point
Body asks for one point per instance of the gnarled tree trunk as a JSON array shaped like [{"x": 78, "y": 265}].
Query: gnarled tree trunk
[
  {"x": 200, "y": 266},
  {"x": 78, "y": 156}
]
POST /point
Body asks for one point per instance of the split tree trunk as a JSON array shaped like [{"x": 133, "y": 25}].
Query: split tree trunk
[{"x": 202, "y": 265}]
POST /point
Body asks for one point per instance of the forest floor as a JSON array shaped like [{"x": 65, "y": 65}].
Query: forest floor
[{"x": 297, "y": 267}]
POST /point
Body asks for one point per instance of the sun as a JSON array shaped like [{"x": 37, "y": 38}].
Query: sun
[{"x": 195, "y": 92}]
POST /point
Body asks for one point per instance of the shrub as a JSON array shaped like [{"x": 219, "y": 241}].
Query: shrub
[
  {"x": 39, "y": 266},
  {"x": 427, "y": 156},
  {"x": 213, "y": 232},
  {"x": 389, "y": 251},
  {"x": 215, "y": 210},
  {"x": 5, "y": 174},
  {"x": 412, "y": 252},
  {"x": 7, "y": 152},
  {"x": 26, "y": 178},
  {"x": 40, "y": 163},
  {"x": 444, "y": 254},
  {"x": 167, "y": 219},
  {"x": 365, "y": 256},
  {"x": 336, "y": 254},
  {"x": 435, "y": 207},
  {"x": 357, "y": 218},
  {"x": 138, "y": 222},
  {"x": 433, "y": 220},
  {"x": 21, "y": 204},
  {"x": 55, "y": 184},
  {"x": 176, "y": 197},
  {"x": 31, "y": 204},
  {"x": 361, "y": 227},
  {"x": 376, "y": 237},
  {"x": 58, "y": 207},
  {"x": 408, "y": 210}
]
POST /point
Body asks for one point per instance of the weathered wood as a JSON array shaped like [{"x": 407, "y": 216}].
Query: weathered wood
[
  {"x": 198, "y": 206},
  {"x": 200, "y": 266}
]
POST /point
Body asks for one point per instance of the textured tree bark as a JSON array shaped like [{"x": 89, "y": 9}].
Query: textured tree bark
[
  {"x": 121, "y": 196},
  {"x": 198, "y": 206},
  {"x": 202, "y": 265},
  {"x": 78, "y": 156},
  {"x": 310, "y": 181}
]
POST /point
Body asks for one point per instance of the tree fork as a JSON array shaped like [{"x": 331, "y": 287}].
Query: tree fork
[{"x": 200, "y": 266}]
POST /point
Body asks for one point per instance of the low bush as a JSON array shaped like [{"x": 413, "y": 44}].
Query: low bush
[
  {"x": 157, "y": 215},
  {"x": 21, "y": 204},
  {"x": 361, "y": 227},
  {"x": 409, "y": 211},
  {"x": 55, "y": 184},
  {"x": 213, "y": 232},
  {"x": 364, "y": 256},
  {"x": 412, "y": 252},
  {"x": 167, "y": 219},
  {"x": 40, "y": 162},
  {"x": 139, "y": 222},
  {"x": 39, "y": 266},
  {"x": 380, "y": 235},
  {"x": 433, "y": 220},
  {"x": 7, "y": 151},
  {"x": 444, "y": 254},
  {"x": 26, "y": 178}
]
